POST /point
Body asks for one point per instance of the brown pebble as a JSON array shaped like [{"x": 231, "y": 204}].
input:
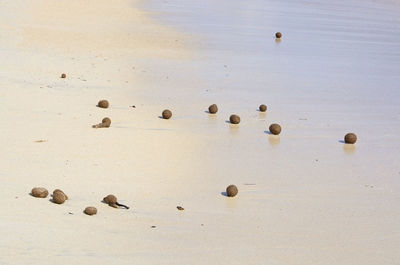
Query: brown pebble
[
  {"x": 60, "y": 191},
  {"x": 103, "y": 104},
  {"x": 90, "y": 210},
  {"x": 166, "y": 114},
  {"x": 39, "y": 192},
  {"x": 180, "y": 208},
  {"x": 58, "y": 198},
  {"x": 231, "y": 191},
  {"x": 350, "y": 138},
  {"x": 278, "y": 35},
  {"x": 105, "y": 123},
  {"x": 213, "y": 109},
  {"x": 275, "y": 129},
  {"x": 263, "y": 108},
  {"x": 112, "y": 201},
  {"x": 63, "y": 75},
  {"x": 234, "y": 119}
]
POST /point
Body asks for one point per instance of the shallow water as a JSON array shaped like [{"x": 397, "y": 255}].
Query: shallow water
[
  {"x": 347, "y": 52},
  {"x": 336, "y": 67}
]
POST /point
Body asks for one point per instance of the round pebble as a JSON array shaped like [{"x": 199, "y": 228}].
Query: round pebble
[
  {"x": 63, "y": 75},
  {"x": 103, "y": 104},
  {"x": 59, "y": 197},
  {"x": 213, "y": 109},
  {"x": 278, "y": 35},
  {"x": 350, "y": 138},
  {"x": 263, "y": 108},
  {"x": 40, "y": 192},
  {"x": 275, "y": 129},
  {"x": 231, "y": 191},
  {"x": 60, "y": 191},
  {"x": 106, "y": 122},
  {"x": 110, "y": 199},
  {"x": 234, "y": 119},
  {"x": 90, "y": 210},
  {"x": 166, "y": 114}
]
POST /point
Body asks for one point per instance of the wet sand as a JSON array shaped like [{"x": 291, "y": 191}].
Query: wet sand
[{"x": 304, "y": 196}]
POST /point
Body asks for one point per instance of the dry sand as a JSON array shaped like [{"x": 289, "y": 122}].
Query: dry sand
[{"x": 304, "y": 197}]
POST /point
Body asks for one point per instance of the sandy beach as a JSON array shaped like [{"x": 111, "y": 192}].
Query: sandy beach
[{"x": 304, "y": 196}]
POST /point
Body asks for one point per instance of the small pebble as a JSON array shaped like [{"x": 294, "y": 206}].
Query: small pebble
[
  {"x": 103, "y": 104},
  {"x": 39, "y": 192},
  {"x": 213, "y": 109},
  {"x": 112, "y": 201},
  {"x": 60, "y": 191},
  {"x": 263, "y": 108},
  {"x": 231, "y": 191},
  {"x": 350, "y": 138},
  {"x": 275, "y": 129},
  {"x": 105, "y": 123},
  {"x": 278, "y": 35},
  {"x": 59, "y": 196},
  {"x": 180, "y": 208},
  {"x": 63, "y": 75},
  {"x": 166, "y": 114},
  {"x": 90, "y": 210},
  {"x": 234, "y": 119}
]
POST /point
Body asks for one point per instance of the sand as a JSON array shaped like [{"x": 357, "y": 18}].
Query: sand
[{"x": 304, "y": 197}]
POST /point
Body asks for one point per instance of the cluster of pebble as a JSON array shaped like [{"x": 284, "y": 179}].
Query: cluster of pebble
[
  {"x": 231, "y": 191},
  {"x": 274, "y": 128},
  {"x": 167, "y": 114},
  {"x": 59, "y": 197}
]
